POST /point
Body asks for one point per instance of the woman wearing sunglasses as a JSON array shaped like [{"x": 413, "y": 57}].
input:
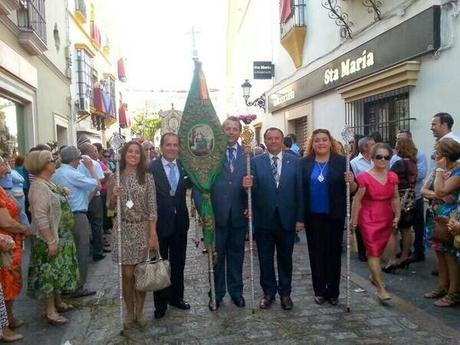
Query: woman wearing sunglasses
[{"x": 376, "y": 208}]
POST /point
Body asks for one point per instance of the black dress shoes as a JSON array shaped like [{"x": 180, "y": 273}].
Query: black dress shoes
[
  {"x": 158, "y": 314},
  {"x": 239, "y": 302},
  {"x": 286, "y": 303},
  {"x": 98, "y": 257},
  {"x": 211, "y": 307},
  {"x": 333, "y": 301},
  {"x": 266, "y": 302},
  {"x": 320, "y": 299},
  {"x": 180, "y": 305}
]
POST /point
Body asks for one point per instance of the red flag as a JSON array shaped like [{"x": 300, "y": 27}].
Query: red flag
[
  {"x": 285, "y": 10},
  {"x": 121, "y": 70}
]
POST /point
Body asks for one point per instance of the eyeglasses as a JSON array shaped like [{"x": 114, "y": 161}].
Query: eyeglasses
[
  {"x": 106, "y": 156},
  {"x": 150, "y": 149},
  {"x": 380, "y": 157}
]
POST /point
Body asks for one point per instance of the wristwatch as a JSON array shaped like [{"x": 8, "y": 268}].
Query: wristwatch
[{"x": 440, "y": 170}]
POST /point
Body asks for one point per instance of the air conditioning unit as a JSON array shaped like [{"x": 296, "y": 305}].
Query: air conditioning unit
[
  {"x": 68, "y": 55},
  {"x": 83, "y": 106}
]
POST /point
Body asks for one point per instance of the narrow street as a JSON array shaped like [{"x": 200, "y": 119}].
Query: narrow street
[{"x": 401, "y": 321}]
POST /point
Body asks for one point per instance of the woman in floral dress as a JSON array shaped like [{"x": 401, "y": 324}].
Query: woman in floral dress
[
  {"x": 443, "y": 191},
  {"x": 53, "y": 262}
]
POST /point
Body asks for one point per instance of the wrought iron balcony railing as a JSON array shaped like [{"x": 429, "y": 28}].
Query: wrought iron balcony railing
[
  {"x": 295, "y": 19},
  {"x": 31, "y": 18}
]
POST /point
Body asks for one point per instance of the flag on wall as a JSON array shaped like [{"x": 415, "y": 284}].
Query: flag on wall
[{"x": 285, "y": 10}]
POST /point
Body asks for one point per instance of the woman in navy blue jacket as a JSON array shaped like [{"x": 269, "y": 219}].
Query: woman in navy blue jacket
[{"x": 323, "y": 193}]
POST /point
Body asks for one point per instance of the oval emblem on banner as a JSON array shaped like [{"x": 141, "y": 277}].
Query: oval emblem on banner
[{"x": 201, "y": 140}]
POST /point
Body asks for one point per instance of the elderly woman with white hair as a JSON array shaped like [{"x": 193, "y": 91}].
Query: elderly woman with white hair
[{"x": 53, "y": 261}]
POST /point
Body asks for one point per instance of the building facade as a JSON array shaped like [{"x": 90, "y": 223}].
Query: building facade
[
  {"x": 373, "y": 65},
  {"x": 34, "y": 74},
  {"x": 95, "y": 63}
]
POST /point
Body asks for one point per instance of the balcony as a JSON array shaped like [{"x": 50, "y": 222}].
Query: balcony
[
  {"x": 8, "y": 6},
  {"x": 80, "y": 11},
  {"x": 32, "y": 26},
  {"x": 293, "y": 31}
]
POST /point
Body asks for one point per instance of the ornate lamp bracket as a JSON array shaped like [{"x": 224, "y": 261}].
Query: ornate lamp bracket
[
  {"x": 336, "y": 13},
  {"x": 258, "y": 101},
  {"x": 374, "y": 6}
]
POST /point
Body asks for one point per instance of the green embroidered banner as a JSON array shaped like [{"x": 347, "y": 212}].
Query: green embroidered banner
[{"x": 202, "y": 144}]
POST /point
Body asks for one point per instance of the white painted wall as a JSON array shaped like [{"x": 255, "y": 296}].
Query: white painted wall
[
  {"x": 437, "y": 90},
  {"x": 329, "y": 113}
]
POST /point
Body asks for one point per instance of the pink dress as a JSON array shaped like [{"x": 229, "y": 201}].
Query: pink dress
[{"x": 376, "y": 214}]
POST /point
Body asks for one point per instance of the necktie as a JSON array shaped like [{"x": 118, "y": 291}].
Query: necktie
[
  {"x": 172, "y": 178},
  {"x": 276, "y": 176},
  {"x": 231, "y": 157}
]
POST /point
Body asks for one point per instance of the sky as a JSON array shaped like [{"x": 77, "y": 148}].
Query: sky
[{"x": 159, "y": 50}]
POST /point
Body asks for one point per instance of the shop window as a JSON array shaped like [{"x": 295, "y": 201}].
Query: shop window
[
  {"x": 301, "y": 131},
  {"x": 85, "y": 82},
  {"x": 9, "y": 127},
  {"x": 386, "y": 113}
]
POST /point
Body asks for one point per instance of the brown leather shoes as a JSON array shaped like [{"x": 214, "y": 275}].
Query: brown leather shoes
[
  {"x": 266, "y": 302},
  {"x": 286, "y": 303}
]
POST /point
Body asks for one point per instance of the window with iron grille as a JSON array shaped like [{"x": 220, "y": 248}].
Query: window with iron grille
[
  {"x": 31, "y": 17},
  {"x": 386, "y": 113},
  {"x": 84, "y": 81},
  {"x": 296, "y": 17}
]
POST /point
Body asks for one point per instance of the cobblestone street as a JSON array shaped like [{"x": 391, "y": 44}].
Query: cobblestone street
[{"x": 95, "y": 321}]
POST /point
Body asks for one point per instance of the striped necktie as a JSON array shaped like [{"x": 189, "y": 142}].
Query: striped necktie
[
  {"x": 276, "y": 176},
  {"x": 231, "y": 157}
]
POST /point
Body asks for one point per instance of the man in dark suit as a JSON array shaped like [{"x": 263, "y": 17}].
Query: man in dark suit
[
  {"x": 171, "y": 183},
  {"x": 229, "y": 202},
  {"x": 277, "y": 215}
]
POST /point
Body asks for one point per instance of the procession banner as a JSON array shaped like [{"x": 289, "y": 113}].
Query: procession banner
[{"x": 203, "y": 144}]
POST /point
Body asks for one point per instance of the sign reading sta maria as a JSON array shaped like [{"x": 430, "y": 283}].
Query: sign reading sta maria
[{"x": 263, "y": 70}]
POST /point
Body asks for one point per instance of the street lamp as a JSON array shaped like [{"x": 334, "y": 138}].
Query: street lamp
[{"x": 246, "y": 86}]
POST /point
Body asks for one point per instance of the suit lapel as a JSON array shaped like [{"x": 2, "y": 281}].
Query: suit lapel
[
  {"x": 285, "y": 166},
  {"x": 181, "y": 175},
  {"x": 309, "y": 169},
  {"x": 239, "y": 161}
]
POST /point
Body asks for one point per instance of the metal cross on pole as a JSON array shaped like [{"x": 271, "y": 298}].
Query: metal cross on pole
[
  {"x": 117, "y": 144},
  {"x": 347, "y": 135},
  {"x": 194, "y": 33},
  {"x": 247, "y": 136}
]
